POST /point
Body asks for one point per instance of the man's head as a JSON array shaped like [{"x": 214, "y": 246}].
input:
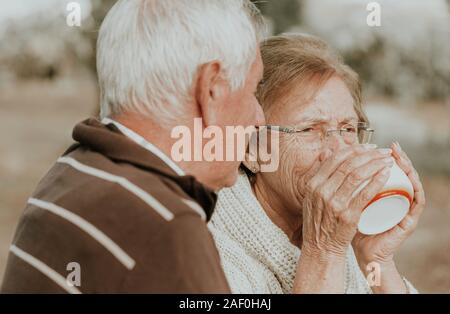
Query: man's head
[{"x": 170, "y": 61}]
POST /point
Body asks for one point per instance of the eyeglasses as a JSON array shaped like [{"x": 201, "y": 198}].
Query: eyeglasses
[{"x": 351, "y": 133}]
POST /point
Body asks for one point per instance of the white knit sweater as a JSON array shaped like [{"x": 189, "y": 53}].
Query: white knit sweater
[{"x": 256, "y": 255}]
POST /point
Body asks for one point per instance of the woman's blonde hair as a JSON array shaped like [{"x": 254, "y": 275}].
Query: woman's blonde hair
[{"x": 292, "y": 60}]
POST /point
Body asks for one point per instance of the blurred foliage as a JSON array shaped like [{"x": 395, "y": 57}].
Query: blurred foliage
[
  {"x": 99, "y": 10},
  {"x": 283, "y": 13},
  {"x": 406, "y": 58},
  {"x": 42, "y": 48}
]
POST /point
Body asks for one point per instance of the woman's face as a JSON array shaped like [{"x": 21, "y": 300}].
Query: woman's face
[{"x": 331, "y": 108}]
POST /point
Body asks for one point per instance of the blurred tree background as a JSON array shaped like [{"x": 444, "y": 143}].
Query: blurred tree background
[
  {"x": 405, "y": 51},
  {"x": 283, "y": 14}
]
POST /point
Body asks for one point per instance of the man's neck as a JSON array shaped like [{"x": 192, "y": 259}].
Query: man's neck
[
  {"x": 161, "y": 138},
  {"x": 291, "y": 224}
]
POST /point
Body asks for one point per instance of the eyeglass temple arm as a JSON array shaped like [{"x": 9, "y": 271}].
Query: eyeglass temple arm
[{"x": 277, "y": 128}]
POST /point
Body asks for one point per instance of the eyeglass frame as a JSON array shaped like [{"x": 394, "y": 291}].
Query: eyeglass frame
[{"x": 294, "y": 129}]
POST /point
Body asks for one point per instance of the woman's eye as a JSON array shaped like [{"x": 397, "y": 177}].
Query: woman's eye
[
  {"x": 350, "y": 129},
  {"x": 307, "y": 130}
]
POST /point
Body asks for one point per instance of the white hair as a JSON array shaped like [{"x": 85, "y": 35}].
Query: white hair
[{"x": 149, "y": 51}]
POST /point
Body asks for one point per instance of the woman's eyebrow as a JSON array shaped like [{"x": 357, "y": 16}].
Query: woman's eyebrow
[
  {"x": 322, "y": 121},
  {"x": 315, "y": 120},
  {"x": 350, "y": 119}
]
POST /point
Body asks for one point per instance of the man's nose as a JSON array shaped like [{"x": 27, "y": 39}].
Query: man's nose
[{"x": 260, "y": 118}]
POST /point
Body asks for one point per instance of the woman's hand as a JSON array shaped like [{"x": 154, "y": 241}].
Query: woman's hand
[
  {"x": 331, "y": 213},
  {"x": 330, "y": 210},
  {"x": 380, "y": 248}
]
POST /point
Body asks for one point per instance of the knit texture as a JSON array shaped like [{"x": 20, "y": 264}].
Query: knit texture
[{"x": 256, "y": 255}]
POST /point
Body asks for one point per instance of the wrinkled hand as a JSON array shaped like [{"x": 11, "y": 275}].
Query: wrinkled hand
[
  {"x": 380, "y": 248},
  {"x": 330, "y": 211}
]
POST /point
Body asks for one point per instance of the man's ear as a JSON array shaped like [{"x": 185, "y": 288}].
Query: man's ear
[{"x": 211, "y": 91}]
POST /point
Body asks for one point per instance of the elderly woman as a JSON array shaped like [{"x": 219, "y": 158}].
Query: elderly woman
[{"x": 295, "y": 230}]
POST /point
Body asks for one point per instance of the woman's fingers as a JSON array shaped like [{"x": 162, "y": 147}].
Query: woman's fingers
[
  {"x": 333, "y": 161},
  {"x": 312, "y": 171},
  {"x": 361, "y": 199},
  {"x": 406, "y": 165},
  {"x": 355, "y": 180},
  {"x": 409, "y": 223},
  {"x": 349, "y": 176},
  {"x": 303, "y": 180}
]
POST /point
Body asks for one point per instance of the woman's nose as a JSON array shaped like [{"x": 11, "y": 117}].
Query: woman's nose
[{"x": 335, "y": 142}]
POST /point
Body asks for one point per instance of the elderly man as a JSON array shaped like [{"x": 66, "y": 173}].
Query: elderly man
[{"x": 116, "y": 213}]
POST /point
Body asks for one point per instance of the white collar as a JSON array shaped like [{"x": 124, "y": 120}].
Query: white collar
[{"x": 145, "y": 144}]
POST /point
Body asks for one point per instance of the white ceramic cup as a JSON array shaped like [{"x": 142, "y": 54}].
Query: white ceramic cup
[{"x": 389, "y": 206}]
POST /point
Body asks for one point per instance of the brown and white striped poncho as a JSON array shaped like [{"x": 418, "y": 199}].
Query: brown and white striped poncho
[{"x": 129, "y": 220}]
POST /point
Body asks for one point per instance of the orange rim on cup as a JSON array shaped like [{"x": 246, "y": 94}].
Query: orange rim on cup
[{"x": 390, "y": 206}]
